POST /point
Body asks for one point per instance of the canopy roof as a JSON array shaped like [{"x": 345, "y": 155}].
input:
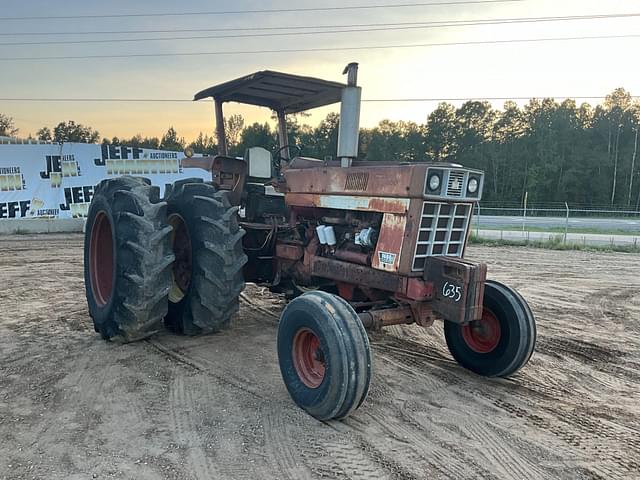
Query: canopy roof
[{"x": 278, "y": 91}]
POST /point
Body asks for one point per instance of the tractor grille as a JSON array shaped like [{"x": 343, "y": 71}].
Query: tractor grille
[
  {"x": 443, "y": 231},
  {"x": 357, "y": 181},
  {"x": 455, "y": 183}
]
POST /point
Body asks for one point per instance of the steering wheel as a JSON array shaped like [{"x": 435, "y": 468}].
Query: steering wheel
[{"x": 278, "y": 158}]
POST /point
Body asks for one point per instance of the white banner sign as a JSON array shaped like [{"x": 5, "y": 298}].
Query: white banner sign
[{"x": 58, "y": 180}]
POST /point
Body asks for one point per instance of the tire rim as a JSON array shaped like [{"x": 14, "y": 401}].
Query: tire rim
[
  {"x": 182, "y": 265},
  {"x": 101, "y": 258},
  {"x": 483, "y": 336},
  {"x": 308, "y": 358}
]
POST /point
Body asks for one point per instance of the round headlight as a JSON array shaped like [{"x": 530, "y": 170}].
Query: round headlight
[
  {"x": 434, "y": 182},
  {"x": 473, "y": 185}
]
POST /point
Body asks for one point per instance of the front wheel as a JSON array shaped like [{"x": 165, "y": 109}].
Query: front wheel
[
  {"x": 502, "y": 341},
  {"x": 324, "y": 355}
]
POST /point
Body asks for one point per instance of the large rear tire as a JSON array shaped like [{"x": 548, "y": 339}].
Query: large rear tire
[
  {"x": 207, "y": 273},
  {"x": 324, "y": 355},
  {"x": 127, "y": 259},
  {"x": 502, "y": 342}
]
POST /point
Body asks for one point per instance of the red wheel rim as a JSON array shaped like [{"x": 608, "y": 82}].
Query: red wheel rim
[
  {"x": 182, "y": 265},
  {"x": 308, "y": 358},
  {"x": 101, "y": 259},
  {"x": 482, "y": 336}
]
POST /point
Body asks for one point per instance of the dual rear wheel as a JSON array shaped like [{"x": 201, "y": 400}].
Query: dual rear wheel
[{"x": 148, "y": 261}]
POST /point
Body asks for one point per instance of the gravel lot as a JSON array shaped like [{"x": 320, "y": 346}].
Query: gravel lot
[{"x": 75, "y": 407}]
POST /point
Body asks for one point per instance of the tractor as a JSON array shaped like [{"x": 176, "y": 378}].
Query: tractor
[{"x": 353, "y": 245}]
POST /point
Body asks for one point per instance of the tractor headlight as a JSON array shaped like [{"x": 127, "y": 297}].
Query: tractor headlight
[
  {"x": 472, "y": 187},
  {"x": 434, "y": 182}
]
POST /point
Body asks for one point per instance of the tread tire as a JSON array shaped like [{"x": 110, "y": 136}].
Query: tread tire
[
  {"x": 216, "y": 277},
  {"x": 517, "y": 339},
  {"x": 345, "y": 347},
  {"x": 141, "y": 261}
]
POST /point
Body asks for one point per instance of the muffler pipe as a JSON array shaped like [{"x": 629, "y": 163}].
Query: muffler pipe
[{"x": 349, "y": 129}]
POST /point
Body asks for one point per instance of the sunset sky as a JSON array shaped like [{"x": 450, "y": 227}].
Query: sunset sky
[{"x": 576, "y": 68}]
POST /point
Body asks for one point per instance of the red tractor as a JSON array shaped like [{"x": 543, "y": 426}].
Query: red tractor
[{"x": 354, "y": 245}]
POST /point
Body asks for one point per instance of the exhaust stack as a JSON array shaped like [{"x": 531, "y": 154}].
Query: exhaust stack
[{"x": 349, "y": 130}]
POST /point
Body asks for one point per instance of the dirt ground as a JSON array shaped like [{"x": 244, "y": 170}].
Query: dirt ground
[{"x": 75, "y": 407}]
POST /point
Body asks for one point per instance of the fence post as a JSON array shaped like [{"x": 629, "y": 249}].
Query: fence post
[
  {"x": 566, "y": 225},
  {"x": 524, "y": 217},
  {"x": 478, "y": 220}
]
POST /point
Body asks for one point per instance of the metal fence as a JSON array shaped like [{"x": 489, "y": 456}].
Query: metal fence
[
  {"x": 553, "y": 209},
  {"x": 549, "y": 223}
]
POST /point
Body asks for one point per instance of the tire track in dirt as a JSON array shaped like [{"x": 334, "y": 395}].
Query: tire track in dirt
[
  {"x": 197, "y": 364},
  {"x": 279, "y": 446},
  {"x": 387, "y": 426},
  {"x": 469, "y": 388},
  {"x": 181, "y": 411},
  {"x": 505, "y": 459},
  {"x": 612, "y": 450}
]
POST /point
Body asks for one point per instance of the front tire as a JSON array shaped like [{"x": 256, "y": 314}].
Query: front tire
[
  {"x": 127, "y": 259},
  {"x": 324, "y": 355},
  {"x": 502, "y": 342}
]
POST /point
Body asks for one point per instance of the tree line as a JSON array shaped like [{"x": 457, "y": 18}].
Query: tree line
[{"x": 551, "y": 151}]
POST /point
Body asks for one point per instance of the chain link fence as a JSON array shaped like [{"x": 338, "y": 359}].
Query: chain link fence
[{"x": 558, "y": 223}]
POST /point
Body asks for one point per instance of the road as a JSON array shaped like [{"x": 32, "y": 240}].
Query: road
[
  {"x": 594, "y": 239},
  {"x": 631, "y": 225}
]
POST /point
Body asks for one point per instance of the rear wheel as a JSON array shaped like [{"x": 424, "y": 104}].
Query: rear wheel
[
  {"x": 502, "y": 341},
  {"x": 324, "y": 355},
  {"x": 207, "y": 273},
  {"x": 127, "y": 259}
]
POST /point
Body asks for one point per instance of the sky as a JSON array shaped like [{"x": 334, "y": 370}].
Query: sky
[{"x": 574, "y": 69}]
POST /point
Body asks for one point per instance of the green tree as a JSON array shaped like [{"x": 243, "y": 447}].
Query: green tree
[
  {"x": 7, "y": 126},
  {"x": 73, "y": 132},
  {"x": 395, "y": 141},
  {"x": 233, "y": 126},
  {"x": 171, "y": 141},
  {"x": 45, "y": 134},
  {"x": 324, "y": 140},
  {"x": 475, "y": 121},
  {"x": 258, "y": 135},
  {"x": 508, "y": 131},
  {"x": 204, "y": 144},
  {"x": 441, "y": 133}
]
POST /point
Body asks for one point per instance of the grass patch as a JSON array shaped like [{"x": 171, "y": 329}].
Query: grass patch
[{"x": 554, "y": 243}]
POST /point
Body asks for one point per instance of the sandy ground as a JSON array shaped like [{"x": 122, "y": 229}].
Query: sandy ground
[{"x": 74, "y": 407}]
